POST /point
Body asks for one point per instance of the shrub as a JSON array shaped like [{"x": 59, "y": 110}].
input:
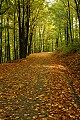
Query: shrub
[{"x": 67, "y": 50}]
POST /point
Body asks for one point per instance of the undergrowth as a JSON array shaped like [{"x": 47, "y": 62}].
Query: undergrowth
[{"x": 67, "y": 50}]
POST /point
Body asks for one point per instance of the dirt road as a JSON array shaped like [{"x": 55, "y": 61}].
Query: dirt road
[{"x": 36, "y": 88}]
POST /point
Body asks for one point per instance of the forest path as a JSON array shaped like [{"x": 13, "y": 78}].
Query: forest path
[{"x": 36, "y": 88}]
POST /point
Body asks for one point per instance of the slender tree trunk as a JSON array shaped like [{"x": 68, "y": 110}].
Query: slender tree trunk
[
  {"x": 0, "y": 34},
  {"x": 17, "y": 47},
  {"x": 57, "y": 42},
  {"x": 5, "y": 42},
  {"x": 70, "y": 21},
  {"x": 33, "y": 47},
  {"x": 67, "y": 29},
  {"x": 23, "y": 34},
  {"x": 40, "y": 40},
  {"x": 8, "y": 44},
  {"x": 14, "y": 56},
  {"x": 0, "y": 39},
  {"x": 65, "y": 32},
  {"x": 76, "y": 28},
  {"x": 60, "y": 37},
  {"x": 77, "y": 3},
  {"x": 34, "y": 43},
  {"x": 27, "y": 24},
  {"x": 29, "y": 47},
  {"x": 67, "y": 35},
  {"x": 43, "y": 37},
  {"x": 14, "y": 40},
  {"x": 79, "y": 28},
  {"x": 20, "y": 39},
  {"x": 52, "y": 45},
  {"x": 43, "y": 44},
  {"x": 72, "y": 28}
]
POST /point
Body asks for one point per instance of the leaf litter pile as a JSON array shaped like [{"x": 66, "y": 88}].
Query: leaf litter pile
[{"x": 38, "y": 88}]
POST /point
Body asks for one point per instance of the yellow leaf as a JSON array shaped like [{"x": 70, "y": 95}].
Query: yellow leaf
[
  {"x": 50, "y": 116},
  {"x": 34, "y": 117},
  {"x": 44, "y": 118},
  {"x": 1, "y": 110},
  {"x": 75, "y": 105}
]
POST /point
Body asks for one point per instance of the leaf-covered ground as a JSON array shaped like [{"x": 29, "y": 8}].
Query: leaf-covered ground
[
  {"x": 39, "y": 87},
  {"x": 73, "y": 63}
]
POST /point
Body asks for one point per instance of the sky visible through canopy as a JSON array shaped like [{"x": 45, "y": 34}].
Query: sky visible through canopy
[{"x": 51, "y": 1}]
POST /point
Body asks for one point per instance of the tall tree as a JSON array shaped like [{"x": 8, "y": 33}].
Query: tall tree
[
  {"x": 19, "y": 22},
  {"x": 8, "y": 41},
  {"x": 0, "y": 32},
  {"x": 69, "y": 17},
  {"x": 27, "y": 25},
  {"x": 77, "y": 3},
  {"x": 14, "y": 32}
]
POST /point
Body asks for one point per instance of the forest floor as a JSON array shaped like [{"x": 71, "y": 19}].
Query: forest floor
[{"x": 40, "y": 87}]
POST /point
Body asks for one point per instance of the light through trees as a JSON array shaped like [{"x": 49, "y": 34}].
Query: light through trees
[{"x": 37, "y": 26}]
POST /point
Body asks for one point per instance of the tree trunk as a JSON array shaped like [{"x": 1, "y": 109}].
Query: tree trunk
[
  {"x": 8, "y": 44},
  {"x": 0, "y": 34},
  {"x": 23, "y": 35},
  {"x": 14, "y": 40},
  {"x": 67, "y": 29},
  {"x": 52, "y": 45},
  {"x": 43, "y": 38},
  {"x": 57, "y": 42},
  {"x": 5, "y": 42},
  {"x": 20, "y": 39},
  {"x": 27, "y": 25},
  {"x": 70, "y": 21},
  {"x": 40, "y": 40},
  {"x": 29, "y": 47},
  {"x": 67, "y": 37},
  {"x": 0, "y": 39},
  {"x": 77, "y": 3},
  {"x": 79, "y": 28}
]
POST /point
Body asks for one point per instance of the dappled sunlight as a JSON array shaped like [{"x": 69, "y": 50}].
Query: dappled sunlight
[{"x": 55, "y": 66}]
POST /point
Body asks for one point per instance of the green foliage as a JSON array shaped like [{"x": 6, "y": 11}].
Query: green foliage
[
  {"x": 68, "y": 50},
  {"x": 49, "y": 24}
]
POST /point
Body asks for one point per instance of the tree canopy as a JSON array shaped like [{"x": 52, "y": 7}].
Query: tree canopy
[{"x": 37, "y": 25}]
